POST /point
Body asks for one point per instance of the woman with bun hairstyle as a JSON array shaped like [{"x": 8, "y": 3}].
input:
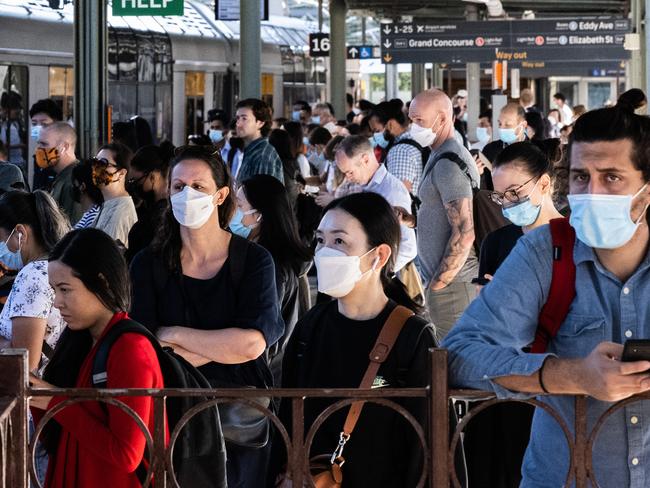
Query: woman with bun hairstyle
[{"x": 390, "y": 131}]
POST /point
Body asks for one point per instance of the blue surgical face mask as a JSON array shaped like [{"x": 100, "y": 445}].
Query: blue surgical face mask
[
  {"x": 237, "y": 226},
  {"x": 305, "y": 141},
  {"x": 380, "y": 139},
  {"x": 12, "y": 259},
  {"x": 604, "y": 221},
  {"x": 372, "y": 142},
  {"x": 36, "y": 132},
  {"x": 522, "y": 214},
  {"x": 216, "y": 135},
  {"x": 295, "y": 115},
  {"x": 508, "y": 136},
  {"x": 315, "y": 119},
  {"x": 482, "y": 134}
]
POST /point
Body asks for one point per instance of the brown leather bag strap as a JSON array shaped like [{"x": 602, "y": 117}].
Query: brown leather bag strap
[{"x": 383, "y": 346}]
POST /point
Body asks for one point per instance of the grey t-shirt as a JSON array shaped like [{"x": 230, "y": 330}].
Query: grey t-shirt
[{"x": 444, "y": 183}]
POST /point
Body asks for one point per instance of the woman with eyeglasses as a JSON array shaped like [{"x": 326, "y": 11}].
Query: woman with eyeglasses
[
  {"x": 149, "y": 184},
  {"x": 523, "y": 186},
  {"x": 117, "y": 214}
]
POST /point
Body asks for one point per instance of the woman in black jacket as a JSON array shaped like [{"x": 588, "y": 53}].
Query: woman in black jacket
[
  {"x": 358, "y": 240},
  {"x": 264, "y": 216}
]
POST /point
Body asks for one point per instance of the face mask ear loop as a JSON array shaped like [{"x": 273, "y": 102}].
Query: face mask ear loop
[{"x": 638, "y": 221}]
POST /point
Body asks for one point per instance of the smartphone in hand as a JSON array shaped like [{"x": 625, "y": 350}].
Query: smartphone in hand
[{"x": 636, "y": 350}]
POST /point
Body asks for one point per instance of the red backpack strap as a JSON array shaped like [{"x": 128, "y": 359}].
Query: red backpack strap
[{"x": 563, "y": 285}]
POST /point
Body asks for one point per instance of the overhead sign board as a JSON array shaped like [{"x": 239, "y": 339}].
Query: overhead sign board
[
  {"x": 510, "y": 40},
  {"x": 361, "y": 52},
  {"x": 319, "y": 45},
  {"x": 148, "y": 7},
  {"x": 229, "y": 10}
]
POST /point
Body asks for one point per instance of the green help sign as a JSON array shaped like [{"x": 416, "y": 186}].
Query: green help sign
[{"x": 148, "y": 7}]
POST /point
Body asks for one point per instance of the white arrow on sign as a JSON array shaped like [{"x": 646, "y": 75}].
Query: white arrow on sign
[
  {"x": 353, "y": 51},
  {"x": 387, "y": 30},
  {"x": 387, "y": 44}
]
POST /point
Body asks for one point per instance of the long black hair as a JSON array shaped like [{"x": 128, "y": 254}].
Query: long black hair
[
  {"x": 97, "y": 261},
  {"x": 381, "y": 226},
  {"x": 39, "y": 211},
  {"x": 167, "y": 243},
  {"x": 278, "y": 228}
]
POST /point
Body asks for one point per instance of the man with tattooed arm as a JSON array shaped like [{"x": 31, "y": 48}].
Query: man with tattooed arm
[{"x": 445, "y": 222}]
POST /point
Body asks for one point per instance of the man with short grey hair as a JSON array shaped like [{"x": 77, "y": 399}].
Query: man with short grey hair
[
  {"x": 356, "y": 159},
  {"x": 446, "y": 254}
]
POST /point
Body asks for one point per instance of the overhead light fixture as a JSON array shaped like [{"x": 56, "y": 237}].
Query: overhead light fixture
[{"x": 528, "y": 15}]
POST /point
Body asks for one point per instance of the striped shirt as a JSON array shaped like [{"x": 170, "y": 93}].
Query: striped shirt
[
  {"x": 88, "y": 218},
  {"x": 260, "y": 157}
]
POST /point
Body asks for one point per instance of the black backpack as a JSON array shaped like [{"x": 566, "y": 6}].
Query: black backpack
[
  {"x": 199, "y": 452},
  {"x": 487, "y": 214}
]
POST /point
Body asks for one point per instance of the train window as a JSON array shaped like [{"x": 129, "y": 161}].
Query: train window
[
  {"x": 146, "y": 55},
  {"x": 127, "y": 56},
  {"x": 61, "y": 88},
  {"x": 13, "y": 113},
  {"x": 194, "y": 101},
  {"x": 163, "y": 57}
]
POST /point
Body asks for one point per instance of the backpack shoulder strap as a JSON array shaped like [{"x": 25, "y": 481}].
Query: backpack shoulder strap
[
  {"x": 456, "y": 159},
  {"x": 563, "y": 285},
  {"x": 237, "y": 259},
  {"x": 99, "y": 376}
]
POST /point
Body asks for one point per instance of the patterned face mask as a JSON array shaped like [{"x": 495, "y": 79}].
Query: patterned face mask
[
  {"x": 46, "y": 158},
  {"x": 101, "y": 174}
]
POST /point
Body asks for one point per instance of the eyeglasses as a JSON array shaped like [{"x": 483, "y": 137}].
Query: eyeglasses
[{"x": 511, "y": 196}]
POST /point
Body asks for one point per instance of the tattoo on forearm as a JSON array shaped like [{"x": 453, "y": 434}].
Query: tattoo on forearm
[{"x": 460, "y": 216}]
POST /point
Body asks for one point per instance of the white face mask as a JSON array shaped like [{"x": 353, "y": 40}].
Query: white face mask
[
  {"x": 424, "y": 136},
  {"x": 192, "y": 208},
  {"x": 337, "y": 272}
]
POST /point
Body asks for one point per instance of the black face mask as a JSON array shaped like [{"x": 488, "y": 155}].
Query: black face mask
[{"x": 136, "y": 189}]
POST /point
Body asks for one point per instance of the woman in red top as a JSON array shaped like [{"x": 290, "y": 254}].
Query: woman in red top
[{"x": 90, "y": 443}]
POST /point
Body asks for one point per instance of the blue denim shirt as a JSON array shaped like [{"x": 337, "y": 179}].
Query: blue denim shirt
[{"x": 487, "y": 343}]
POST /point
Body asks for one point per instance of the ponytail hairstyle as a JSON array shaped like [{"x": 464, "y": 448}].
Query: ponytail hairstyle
[
  {"x": 97, "y": 261},
  {"x": 39, "y": 211},
  {"x": 379, "y": 222},
  {"x": 618, "y": 123}
]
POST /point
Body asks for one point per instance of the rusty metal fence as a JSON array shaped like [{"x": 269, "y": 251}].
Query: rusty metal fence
[{"x": 438, "y": 443}]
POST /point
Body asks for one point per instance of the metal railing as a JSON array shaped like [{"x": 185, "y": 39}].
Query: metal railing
[{"x": 438, "y": 443}]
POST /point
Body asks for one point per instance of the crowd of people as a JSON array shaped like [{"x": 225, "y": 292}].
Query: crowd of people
[{"x": 280, "y": 251}]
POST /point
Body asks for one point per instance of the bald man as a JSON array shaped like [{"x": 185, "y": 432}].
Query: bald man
[
  {"x": 512, "y": 128},
  {"x": 445, "y": 223},
  {"x": 55, "y": 149}
]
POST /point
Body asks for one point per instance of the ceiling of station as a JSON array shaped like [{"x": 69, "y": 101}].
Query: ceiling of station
[{"x": 455, "y": 9}]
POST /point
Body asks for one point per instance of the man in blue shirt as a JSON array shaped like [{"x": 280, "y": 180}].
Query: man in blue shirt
[
  {"x": 253, "y": 125},
  {"x": 609, "y": 198}
]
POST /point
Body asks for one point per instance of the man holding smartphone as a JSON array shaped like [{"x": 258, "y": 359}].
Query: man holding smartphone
[{"x": 609, "y": 199}]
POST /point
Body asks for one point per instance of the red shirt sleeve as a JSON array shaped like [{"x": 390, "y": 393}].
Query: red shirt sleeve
[{"x": 132, "y": 363}]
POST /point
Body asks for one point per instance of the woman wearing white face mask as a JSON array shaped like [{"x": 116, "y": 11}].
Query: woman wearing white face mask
[
  {"x": 30, "y": 226},
  {"x": 211, "y": 295},
  {"x": 358, "y": 239}
]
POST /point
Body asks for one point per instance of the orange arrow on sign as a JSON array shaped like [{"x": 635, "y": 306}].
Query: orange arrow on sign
[{"x": 388, "y": 58}]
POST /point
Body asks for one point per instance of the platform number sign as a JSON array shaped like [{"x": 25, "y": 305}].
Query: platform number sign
[{"x": 319, "y": 45}]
